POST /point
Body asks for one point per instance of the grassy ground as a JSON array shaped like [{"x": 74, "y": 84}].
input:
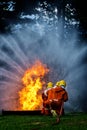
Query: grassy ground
[{"x": 76, "y": 121}]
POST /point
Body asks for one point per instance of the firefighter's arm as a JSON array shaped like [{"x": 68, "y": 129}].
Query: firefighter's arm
[{"x": 65, "y": 96}]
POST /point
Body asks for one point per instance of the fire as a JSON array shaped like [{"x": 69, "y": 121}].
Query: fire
[{"x": 30, "y": 96}]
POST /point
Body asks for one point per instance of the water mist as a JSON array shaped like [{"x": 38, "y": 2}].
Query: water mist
[{"x": 43, "y": 41}]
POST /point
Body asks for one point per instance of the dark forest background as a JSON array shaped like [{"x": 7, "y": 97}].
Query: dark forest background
[
  {"x": 11, "y": 9},
  {"x": 60, "y": 44}
]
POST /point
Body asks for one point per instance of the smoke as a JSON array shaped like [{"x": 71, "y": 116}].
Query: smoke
[{"x": 43, "y": 41}]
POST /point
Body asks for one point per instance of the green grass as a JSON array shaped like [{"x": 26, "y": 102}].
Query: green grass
[{"x": 76, "y": 121}]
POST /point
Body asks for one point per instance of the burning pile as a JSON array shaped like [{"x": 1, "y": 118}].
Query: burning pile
[{"x": 33, "y": 81}]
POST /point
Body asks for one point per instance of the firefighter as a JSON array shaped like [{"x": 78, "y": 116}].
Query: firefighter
[
  {"x": 56, "y": 98},
  {"x": 58, "y": 84},
  {"x": 54, "y": 111},
  {"x": 60, "y": 96},
  {"x": 45, "y": 110}
]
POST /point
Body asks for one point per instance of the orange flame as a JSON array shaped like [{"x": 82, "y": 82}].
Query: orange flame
[{"x": 30, "y": 96}]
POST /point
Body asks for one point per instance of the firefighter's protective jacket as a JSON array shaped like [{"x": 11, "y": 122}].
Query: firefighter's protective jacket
[
  {"x": 57, "y": 93},
  {"x": 60, "y": 93},
  {"x": 56, "y": 96}
]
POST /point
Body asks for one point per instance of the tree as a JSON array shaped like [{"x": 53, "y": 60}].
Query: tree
[{"x": 71, "y": 11}]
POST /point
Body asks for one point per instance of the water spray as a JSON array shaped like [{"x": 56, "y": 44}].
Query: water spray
[{"x": 41, "y": 40}]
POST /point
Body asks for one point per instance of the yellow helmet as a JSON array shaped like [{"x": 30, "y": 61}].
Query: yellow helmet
[
  {"x": 50, "y": 85},
  {"x": 62, "y": 83},
  {"x": 57, "y": 83}
]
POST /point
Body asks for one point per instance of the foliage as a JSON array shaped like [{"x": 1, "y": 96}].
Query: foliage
[{"x": 70, "y": 10}]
